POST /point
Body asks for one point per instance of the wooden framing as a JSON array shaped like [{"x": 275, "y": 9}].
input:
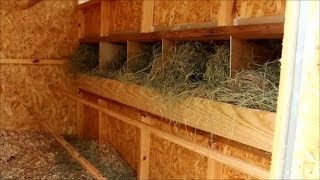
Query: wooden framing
[
  {"x": 105, "y": 16},
  {"x": 258, "y": 20},
  {"x": 33, "y": 61},
  {"x": 248, "y": 126},
  {"x": 147, "y": 16},
  {"x": 230, "y": 161},
  {"x": 214, "y": 169},
  {"x": 80, "y": 108},
  {"x": 144, "y": 151},
  {"x": 225, "y": 14},
  {"x": 77, "y": 156}
]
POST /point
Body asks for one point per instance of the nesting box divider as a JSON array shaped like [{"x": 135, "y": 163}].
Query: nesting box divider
[
  {"x": 166, "y": 45},
  {"x": 243, "y": 53},
  {"x": 133, "y": 48},
  {"x": 108, "y": 52}
]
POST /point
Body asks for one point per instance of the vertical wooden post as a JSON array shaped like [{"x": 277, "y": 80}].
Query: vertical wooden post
[
  {"x": 81, "y": 24},
  {"x": 80, "y": 108},
  {"x": 144, "y": 153},
  {"x": 214, "y": 169},
  {"x": 147, "y": 16},
  {"x": 225, "y": 14},
  {"x": 105, "y": 18},
  {"x": 103, "y": 130}
]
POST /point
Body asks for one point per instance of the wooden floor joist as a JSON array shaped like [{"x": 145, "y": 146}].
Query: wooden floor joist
[
  {"x": 91, "y": 169},
  {"x": 230, "y": 161}
]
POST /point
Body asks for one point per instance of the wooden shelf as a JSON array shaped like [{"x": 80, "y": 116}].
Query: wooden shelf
[
  {"x": 261, "y": 31},
  {"x": 248, "y": 126}
]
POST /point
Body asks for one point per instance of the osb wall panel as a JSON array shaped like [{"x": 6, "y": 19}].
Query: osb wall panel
[
  {"x": 260, "y": 8},
  {"x": 124, "y": 137},
  {"x": 26, "y": 98},
  {"x": 125, "y": 16},
  {"x": 173, "y": 12},
  {"x": 46, "y": 30}
]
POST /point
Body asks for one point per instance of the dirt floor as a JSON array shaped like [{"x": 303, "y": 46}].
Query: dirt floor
[
  {"x": 105, "y": 158},
  {"x": 35, "y": 155}
]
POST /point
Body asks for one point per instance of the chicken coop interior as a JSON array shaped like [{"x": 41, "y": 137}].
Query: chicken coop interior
[{"x": 159, "y": 89}]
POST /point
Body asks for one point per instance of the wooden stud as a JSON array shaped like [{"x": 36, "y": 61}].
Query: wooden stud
[
  {"x": 243, "y": 52},
  {"x": 81, "y": 24},
  {"x": 33, "y": 61},
  {"x": 93, "y": 171},
  {"x": 144, "y": 151},
  {"x": 230, "y": 161},
  {"x": 107, "y": 53},
  {"x": 103, "y": 126},
  {"x": 80, "y": 108},
  {"x": 147, "y": 16},
  {"x": 225, "y": 14},
  {"x": 105, "y": 18},
  {"x": 214, "y": 169}
]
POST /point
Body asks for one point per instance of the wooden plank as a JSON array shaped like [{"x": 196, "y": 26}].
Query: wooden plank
[
  {"x": 297, "y": 141},
  {"x": 105, "y": 18},
  {"x": 147, "y": 16},
  {"x": 80, "y": 108},
  {"x": 92, "y": 21},
  {"x": 225, "y": 14},
  {"x": 88, "y": 4},
  {"x": 91, "y": 169},
  {"x": 144, "y": 151},
  {"x": 261, "y": 31},
  {"x": 107, "y": 53},
  {"x": 81, "y": 24},
  {"x": 243, "y": 53},
  {"x": 258, "y": 20},
  {"x": 33, "y": 61},
  {"x": 230, "y": 161},
  {"x": 133, "y": 48},
  {"x": 248, "y": 126},
  {"x": 187, "y": 26},
  {"x": 103, "y": 126},
  {"x": 214, "y": 169}
]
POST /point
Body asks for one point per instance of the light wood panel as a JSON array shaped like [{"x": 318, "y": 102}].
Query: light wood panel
[
  {"x": 230, "y": 161},
  {"x": 226, "y": 14},
  {"x": 248, "y": 126},
  {"x": 107, "y": 53}
]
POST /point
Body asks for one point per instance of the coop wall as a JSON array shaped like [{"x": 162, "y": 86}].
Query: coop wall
[{"x": 46, "y": 30}]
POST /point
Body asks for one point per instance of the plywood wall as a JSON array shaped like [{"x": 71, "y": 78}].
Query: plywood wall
[
  {"x": 260, "y": 8},
  {"x": 45, "y": 30},
  {"x": 173, "y": 12},
  {"x": 125, "y": 16}
]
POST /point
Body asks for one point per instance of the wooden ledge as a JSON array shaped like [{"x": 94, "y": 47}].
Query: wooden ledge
[
  {"x": 261, "y": 31},
  {"x": 252, "y": 127}
]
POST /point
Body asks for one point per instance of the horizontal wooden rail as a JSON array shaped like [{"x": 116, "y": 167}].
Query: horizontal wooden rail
[
  {"x": 91, "y": 169},
  {"x": 260, "y": 31},
  {"x": 230, "y": 161},
  {"x": 33, "y": 61},
  {"x": 248, "y": 126}
]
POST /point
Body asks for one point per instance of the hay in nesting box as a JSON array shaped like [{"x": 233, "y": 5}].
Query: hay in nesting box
[
  {"x": 254, "y": 88},
  {"x": 104, "y": 157},
  {"x": 184, "y": 69},
  {"x": 84, "y": 59},
  {"x": 136, "y": 71}
]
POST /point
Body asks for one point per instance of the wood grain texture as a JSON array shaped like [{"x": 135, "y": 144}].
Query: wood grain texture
[
  {"x": 248, "y": 126},
  {"x": 243, "y": 53},
  {"x": 225, "y": 13},
  {"x": 144, "y": 151},
  {"x": 261, "y": 31},
  {"x": 214, "y": 169},
  {"x": 173, "y": 12},
  {"x": 230, "y": 161},
  {"x": 92, "y": 23},
  {"x": 91, "y": 169},
  {"x": 126, "y": 16},
  {"x": 259, "y": 8},
  {"x": 147, "y": 16},
  {"x": 105, "y": 18},
  {"x": 90, "y": 118}
]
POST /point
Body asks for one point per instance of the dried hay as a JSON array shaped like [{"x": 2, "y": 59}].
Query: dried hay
[
  {"x": 199, "y": 70},
  {"x": 104, "y": 157}
]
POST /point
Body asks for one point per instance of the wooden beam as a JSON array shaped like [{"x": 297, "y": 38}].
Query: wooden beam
[
  {"x": 261, "y": 31},
  {"x": 80, "y": 108},
  {"x": 248, "y": 126},
  {"x": 225, "y": 14},
  {"x": 93, "y": 171},
  {"x": 214, "y": 169},
  {"x": 147, "y": 16},
  {"x": 33, "y": 61},
  {"x": 230, "y": 161},
  {"x": 258, "y": 20},
  {"x": 144, "y": 151}
]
